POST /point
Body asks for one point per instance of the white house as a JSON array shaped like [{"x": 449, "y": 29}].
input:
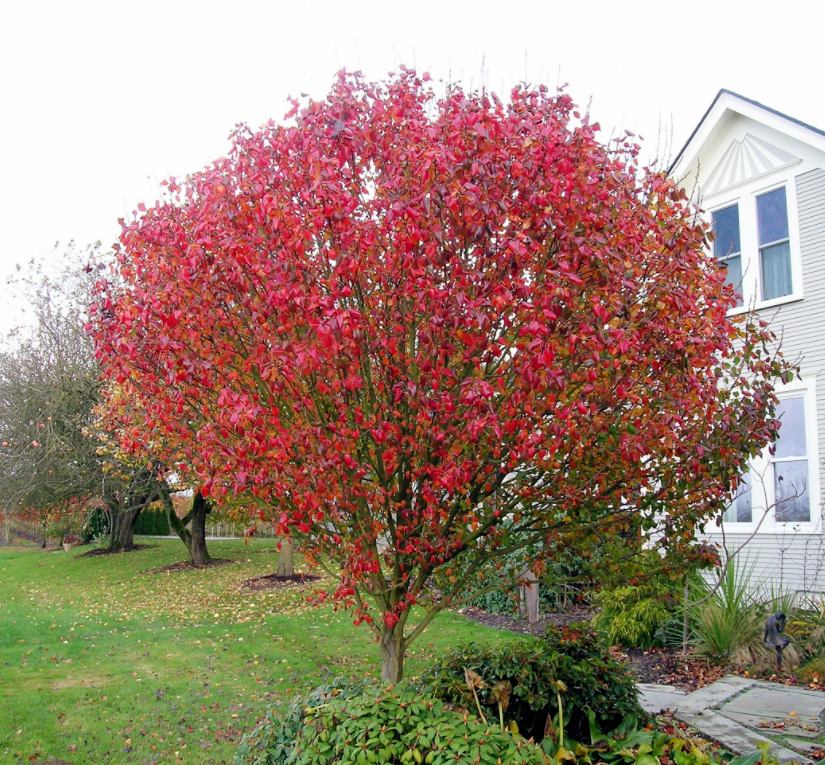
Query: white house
[{"x": 760, "y": 177}]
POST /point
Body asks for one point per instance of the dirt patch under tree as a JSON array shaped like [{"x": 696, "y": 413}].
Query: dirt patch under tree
[
  {"x": 276, "y": 582},
  {"x": 510, "y": 623},
  {"x": 187, "y": 565},
  {"x": 115, "y": 550}
]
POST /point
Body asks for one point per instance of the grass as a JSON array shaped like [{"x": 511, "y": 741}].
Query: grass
[{"x": 102, "y": 662}]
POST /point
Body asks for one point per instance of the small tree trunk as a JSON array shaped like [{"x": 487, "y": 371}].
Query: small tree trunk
[
  {"x": 392, "y": 648},
  {"x": 197, "y": 548},
  {"x": 686, "y": 621},
  {"x": 286, "y": 560},
  {"x": 529, "y": 597}
]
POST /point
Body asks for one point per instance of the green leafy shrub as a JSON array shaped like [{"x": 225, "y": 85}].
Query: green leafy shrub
[
  {"x": 631, "y": 616},
  {"x": 806, "y": 629},
  {"x": 575, "y": 656},
  {"x": 630, "y": 746},
  {"x": 813, "y": 671},
  {"x": 500, "y": 602},
  {"x": 345, "y": 722},
  {"x": 502, "y": 575},
  {"x": 273, "y": 739},
  {"x": 97, "y": 525},
  {"x": 385, "y": 725},
  {"x": 152, "y": 523}
]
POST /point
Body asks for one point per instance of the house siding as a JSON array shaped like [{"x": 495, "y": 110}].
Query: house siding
[
  {"x": 786, "y": 559},
  {"x": 781, "y": 562}
]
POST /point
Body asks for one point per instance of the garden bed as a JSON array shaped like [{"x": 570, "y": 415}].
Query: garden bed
[
  {"x": 279, "y": 581},
  {"x": 523, "y": 627},
  {"x": 187, "y": 565},
  {"x": 666, "y": 666},
  {"x": 114, "y": 550}
]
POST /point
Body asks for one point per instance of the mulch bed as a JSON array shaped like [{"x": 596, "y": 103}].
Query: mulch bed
[
  {"x": 658, "y": 665},
  {"x": 187, "y": 565},
  {"x": 666, "y": 666},
  {"x": 276, "y": 582},
  {"x": 510, "y": 623},
  {"x": 115, "y": 550}
]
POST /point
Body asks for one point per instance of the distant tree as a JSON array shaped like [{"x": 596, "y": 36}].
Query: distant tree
[
  {"x": 430, "y": 331},
  {"x": 49, "y": 389},
  {"x": 118, "y": 410}
]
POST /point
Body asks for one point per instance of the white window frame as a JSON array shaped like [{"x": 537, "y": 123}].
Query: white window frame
[
  {"x": 762, "y": 475},
  {"x": 745, "y": 197}
]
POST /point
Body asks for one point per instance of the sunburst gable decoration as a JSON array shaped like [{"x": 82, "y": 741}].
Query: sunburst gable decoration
[{"x": 745, "y": 160}]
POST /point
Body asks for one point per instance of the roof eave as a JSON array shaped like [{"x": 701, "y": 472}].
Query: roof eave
[{"x": 724, "y": 92}]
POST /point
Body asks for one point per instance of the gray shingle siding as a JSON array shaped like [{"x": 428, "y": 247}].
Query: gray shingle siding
[{"x": 790, "y": 560}]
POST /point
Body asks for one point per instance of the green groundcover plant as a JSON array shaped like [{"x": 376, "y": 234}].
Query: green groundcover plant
[
  {"x": 347, "y": 723},
  {"x": 344, "y": 724}
]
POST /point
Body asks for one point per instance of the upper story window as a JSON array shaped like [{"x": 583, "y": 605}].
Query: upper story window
[
  {"x": 756, "y": 240},
  {"x": 727, "y": 248},
  {"x": 774, "y": 244}
]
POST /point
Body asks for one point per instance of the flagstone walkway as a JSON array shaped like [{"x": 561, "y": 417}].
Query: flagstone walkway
[{"x": 740, "y": 713}]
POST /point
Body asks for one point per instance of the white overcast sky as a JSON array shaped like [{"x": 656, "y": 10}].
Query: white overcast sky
[{"x": 100, "y": 101}]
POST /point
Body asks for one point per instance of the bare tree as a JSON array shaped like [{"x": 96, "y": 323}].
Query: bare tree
[{"x": 49, "y": 388}]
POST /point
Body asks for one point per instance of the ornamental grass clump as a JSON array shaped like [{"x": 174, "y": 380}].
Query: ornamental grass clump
[{"x": 728, "y": 625}]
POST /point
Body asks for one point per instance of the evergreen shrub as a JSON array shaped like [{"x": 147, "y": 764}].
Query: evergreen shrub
[{"x": 575, "y": 656}]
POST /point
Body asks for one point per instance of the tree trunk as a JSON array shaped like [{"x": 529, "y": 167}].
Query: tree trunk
[
  {"x": 197, "y": 549},
  {"x": 392, "y": 648},
  {"x": 529, "y": 597},
  {"x": 286, "y": 560},
  {"x": 122, "y": 522},
  {"x": 194, "y": 537}
]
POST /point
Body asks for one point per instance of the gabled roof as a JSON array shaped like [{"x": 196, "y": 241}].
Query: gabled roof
[{"x": 728, "y": 99}]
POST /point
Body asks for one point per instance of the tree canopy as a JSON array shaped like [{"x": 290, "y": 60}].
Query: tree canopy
[{"x": 426, "y": 331}]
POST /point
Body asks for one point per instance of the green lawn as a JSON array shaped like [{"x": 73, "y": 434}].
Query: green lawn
[{"x": 101, "y": 661}]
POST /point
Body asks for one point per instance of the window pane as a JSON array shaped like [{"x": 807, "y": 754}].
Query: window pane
[
  {"x": 733, "y": 266},
  {"x": 776, "y": 271},
  {"x": 790, "y": 442},
  {"x": 740, "y": 510},
  {"x": 791, "y": 487},
  {"x": 772, "y": 209},
  {"x": 726, "y": 229}
]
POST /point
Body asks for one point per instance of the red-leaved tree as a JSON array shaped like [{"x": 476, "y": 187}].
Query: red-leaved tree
[{"x": 427, "y": 332}]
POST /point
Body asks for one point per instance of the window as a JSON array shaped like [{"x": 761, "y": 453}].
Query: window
[
  {"x": 774, "y": 244},
  {"x": 756, "y": 241},
  {"x": 782, "y": 485},
  {"x": 726, "y": 246},
  {"x": 790, "y": 464},
  {"x": 740, "y": 509}
]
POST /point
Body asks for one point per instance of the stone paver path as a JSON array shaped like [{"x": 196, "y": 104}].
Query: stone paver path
[{"x": 740, "y": 713}]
